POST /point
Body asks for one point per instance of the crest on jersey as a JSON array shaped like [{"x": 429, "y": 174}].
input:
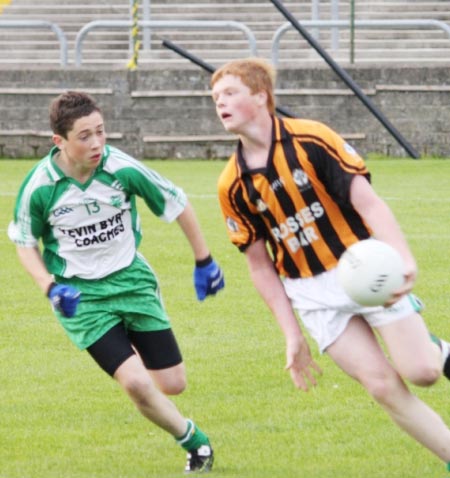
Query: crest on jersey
[
  {"x": 232, "y": 224},
  {"x": 261, "y": 205},
  {"x": 116, "y": 201},
  {"x": 301, "y": 179}
]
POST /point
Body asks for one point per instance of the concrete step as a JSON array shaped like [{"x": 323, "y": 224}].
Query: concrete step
[
  {"x": 223, "y": 10},
  {"x": 261, "y": 17},
  {"x": 264, "y": 48},
  {"x": 176, "y": 64},
  {"x": 67, "y": 3},
  {"x": 401, "y": 53},
  {"x": 264, "y": 38},
  {"x": 266, "y": 17},
  {"x": 261, "y": 29},
  {"x": 218, "y": 54}
]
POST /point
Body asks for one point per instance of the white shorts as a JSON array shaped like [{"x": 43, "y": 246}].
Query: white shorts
[{"x": 325, "y": 309}]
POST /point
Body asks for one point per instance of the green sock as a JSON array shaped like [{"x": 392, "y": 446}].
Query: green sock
[
  {"x": 448, "y": 466},
  {"x": 193, "y": 438},
  {"x": 443, "y": 346},
  {"x": 436, "y": 340}
]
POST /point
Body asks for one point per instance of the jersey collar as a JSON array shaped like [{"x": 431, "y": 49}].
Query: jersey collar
[
  {"x": 53, "y": 169},
  {"x": 279, "y": 134},
  {"x": 56, "y": 173}
]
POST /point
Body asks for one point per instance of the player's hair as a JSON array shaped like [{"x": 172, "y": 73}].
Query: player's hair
[
  {"x": 257, "y": 74},
  {"x": 67, "y": 108}
]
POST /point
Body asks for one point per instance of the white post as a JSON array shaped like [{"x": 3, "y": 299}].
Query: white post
[
  {"x": 146, "y": 33},
  {"x": 315, "y": 16},
  {"x": 130, "y": 36},
  {"x": 335, "y": 30}
]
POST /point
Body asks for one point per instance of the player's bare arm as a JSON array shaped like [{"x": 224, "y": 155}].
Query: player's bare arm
[
  {"x": 379, "y": 217},
  {"x": 31, "y": 259},
  {"x": 267, "y": 282},
  {"x": 188, "y": 222},
  {"x": 208, "y": 276}
]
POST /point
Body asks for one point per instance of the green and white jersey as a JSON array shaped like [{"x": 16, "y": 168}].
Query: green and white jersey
[{"x": 93, "y": 229}]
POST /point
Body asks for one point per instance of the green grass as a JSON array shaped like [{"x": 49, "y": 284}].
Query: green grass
[{"x": 63, "y": 417}]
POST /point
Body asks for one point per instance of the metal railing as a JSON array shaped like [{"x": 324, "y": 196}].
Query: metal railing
[
  {"x": 364, "y": 24},
  {"x": 41, "y": 24},
  {"x": 276, "y": 39},
  {"x": 161, "y": 25}
]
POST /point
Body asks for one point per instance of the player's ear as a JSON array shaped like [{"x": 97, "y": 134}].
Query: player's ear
[
  {"x": 58, "y": 140},
  {"x": 262, "y": 97}
]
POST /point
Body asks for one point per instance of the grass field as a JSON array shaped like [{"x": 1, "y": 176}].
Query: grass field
[{"x": 61, "y": 416}]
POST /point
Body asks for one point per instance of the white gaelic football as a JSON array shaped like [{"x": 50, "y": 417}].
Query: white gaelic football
[{"x": 370, "y": 271}]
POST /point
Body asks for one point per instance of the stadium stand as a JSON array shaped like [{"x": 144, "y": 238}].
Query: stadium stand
[
  {"x": 164, "y": 110},
  {"x": 106, "y": 47}
]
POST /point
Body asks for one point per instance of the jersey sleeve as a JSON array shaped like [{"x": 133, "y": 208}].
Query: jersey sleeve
[
  {"x": 244, "y": 226},
  {"x": 335, "y": 161},
  {"x": 28, "y": 224},
  {"x": 166, "y": 200}
]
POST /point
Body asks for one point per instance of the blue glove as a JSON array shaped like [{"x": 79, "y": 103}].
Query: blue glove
[
  {"x": 64, "y": 298},
  {"x": 208, "y": 278}
]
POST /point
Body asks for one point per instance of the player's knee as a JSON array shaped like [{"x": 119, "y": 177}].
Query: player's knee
[
  {"x": 174, "y": 387},
  {"x": 425, "y": 375},
  {"x": 172, "y": 380}
]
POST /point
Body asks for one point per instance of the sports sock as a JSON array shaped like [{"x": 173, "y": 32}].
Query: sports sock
[
  {"x": 445, "y": 351},
  {"x": 193, "y": 438}
]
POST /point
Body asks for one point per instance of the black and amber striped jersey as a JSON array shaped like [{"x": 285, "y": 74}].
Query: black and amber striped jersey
[{"x": 299, "y": 203}]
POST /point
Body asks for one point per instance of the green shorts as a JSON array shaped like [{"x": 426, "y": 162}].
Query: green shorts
[{"x": 130, "y": 296}]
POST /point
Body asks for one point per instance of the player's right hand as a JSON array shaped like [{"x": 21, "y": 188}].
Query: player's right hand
[
  {"x": 301, "y": 365},
  {"x": 64, "y": 298}
]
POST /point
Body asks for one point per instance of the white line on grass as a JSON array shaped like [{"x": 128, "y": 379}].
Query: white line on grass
[{"x": 203, "y": 196}]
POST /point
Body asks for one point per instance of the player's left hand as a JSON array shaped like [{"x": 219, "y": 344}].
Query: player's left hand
[
  {"x": 208, "y": 279},
  {"x": 410, "y": 276}
]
